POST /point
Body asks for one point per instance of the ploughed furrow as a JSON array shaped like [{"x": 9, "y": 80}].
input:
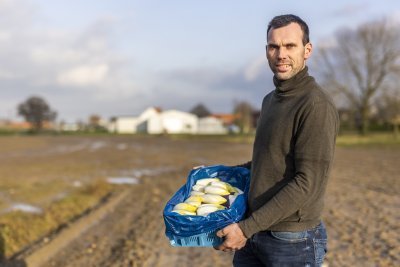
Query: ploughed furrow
[{"x": 133, "y": 233}]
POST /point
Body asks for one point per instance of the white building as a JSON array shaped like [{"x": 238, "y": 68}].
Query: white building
[
  {"x": 150, "y": 121},
  {"x": 155, "y": 121},
  {"x": 69, "y": 127},
  {"x": 211, "y": 125},
  {"x": 123, "y": 125},
  {"x": 174, "y": 121}
]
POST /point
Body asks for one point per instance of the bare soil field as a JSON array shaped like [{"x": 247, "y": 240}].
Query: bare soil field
[{"x": 362, "y": 207}]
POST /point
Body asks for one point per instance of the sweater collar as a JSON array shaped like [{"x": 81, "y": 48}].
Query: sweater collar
[{"x": 287, "y": 86}]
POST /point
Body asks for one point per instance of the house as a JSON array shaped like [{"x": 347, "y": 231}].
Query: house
[
  {"x": 229, "y": 121},
  {"x": 175, "y": 121},
  {"x": 155, "y": 121},
  {"x": 24, "y": 125},
  {"x": 69, "y": 126},
  {"x": 15, "y": 125},
  {"x": 150, "y": 121},
  {"x": 123, "y": 124},
  {"x": 211, "y": 125}
]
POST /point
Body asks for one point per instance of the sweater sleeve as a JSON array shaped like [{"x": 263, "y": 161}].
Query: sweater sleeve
[
  {"x": 313, "y": 153},
  {"x": 246, "y": 165}
]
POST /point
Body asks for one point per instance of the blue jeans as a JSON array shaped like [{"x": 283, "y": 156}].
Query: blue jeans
[{"x": 284, "y": 249}]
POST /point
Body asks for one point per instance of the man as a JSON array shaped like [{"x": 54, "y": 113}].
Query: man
[{"x": 292, "y": 155}]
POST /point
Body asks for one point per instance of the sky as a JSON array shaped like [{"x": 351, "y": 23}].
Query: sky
[{"x": 118, "y": 57}]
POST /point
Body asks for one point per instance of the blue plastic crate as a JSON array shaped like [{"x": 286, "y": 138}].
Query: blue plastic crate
[
  {"x": 209, "y": 239},
  {"x": 199, "y": 231}
]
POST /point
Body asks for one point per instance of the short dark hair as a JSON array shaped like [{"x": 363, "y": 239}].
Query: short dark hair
[{"x": 284, "y": 20}]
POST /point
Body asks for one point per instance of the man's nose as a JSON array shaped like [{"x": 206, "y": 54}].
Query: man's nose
[{"x": 282, "y": 53}]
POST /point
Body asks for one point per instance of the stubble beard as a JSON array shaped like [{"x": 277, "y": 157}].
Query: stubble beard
[{"x": 282, "y": 76}]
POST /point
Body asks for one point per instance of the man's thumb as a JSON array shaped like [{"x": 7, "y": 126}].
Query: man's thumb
[{"x": 221, "y": 233}]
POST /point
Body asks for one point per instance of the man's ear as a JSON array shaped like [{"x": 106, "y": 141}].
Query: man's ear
[{"x": 307, "y": 50}]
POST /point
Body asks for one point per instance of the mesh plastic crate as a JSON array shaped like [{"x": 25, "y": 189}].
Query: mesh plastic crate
[
  {"x": 202, "y": 240},
  {"x": 180, "y": 226}
]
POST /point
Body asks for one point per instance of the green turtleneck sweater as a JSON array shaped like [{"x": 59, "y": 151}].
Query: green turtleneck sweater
[{"x": 292, "y": 155}]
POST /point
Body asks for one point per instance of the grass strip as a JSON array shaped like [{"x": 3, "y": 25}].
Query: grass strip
[{"x": 18, "y": 229}]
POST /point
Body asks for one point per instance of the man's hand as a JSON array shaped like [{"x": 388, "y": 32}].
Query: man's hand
[
  {"x": 198, "y": 167},
  {"x": 234, "y": 238}
]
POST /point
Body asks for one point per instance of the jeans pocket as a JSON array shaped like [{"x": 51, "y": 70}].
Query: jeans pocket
[
  {"x": 320, "y": 250},
  {"x": 292, "y": 237}
]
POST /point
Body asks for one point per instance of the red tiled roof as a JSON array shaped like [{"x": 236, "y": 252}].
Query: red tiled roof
[{"x": 227, "y": 118}]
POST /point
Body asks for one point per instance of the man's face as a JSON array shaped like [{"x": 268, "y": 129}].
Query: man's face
[{"x": 286, "y": 53}]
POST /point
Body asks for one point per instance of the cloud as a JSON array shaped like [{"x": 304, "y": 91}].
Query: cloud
[
  {"x": 255, "y": 69},
  {"x": 217, "y": 88},
  {"x": 7, "y": 75},
  {"x": 84, "y": 75},
  {"x": 79, "y": 71}
]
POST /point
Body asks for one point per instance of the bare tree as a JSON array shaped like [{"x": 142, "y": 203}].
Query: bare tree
[
  {"x": 36, "y": 111},
  {"x": 361, "y": 64},
  {"x": 243, "y": 112},
  {"x": 389, "y": 110}
]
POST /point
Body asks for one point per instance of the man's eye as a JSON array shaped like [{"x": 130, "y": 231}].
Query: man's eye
[{"x": 289, "y": 46}]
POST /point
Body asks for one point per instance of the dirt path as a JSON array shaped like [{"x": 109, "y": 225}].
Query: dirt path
[
  {"x": 133, "y": 235},
  {"x": 63, "y": 239},
  {"x": 362, "y": 215}
]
